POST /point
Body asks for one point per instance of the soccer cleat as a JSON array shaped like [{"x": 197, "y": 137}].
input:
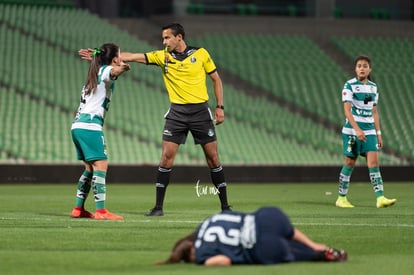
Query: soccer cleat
[
  {"x": 107, "y": 216},
  {"x": 226, "y": 208},
  {"x": 155, "y": 212},
  {"x": 343, "y": 202},
  {"x": 335, "y": 255},
  {"x": 81, "y": 213},
  {"x": 384, "y": 202}
]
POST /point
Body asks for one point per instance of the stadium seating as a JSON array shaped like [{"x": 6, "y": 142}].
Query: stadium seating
[
  {"x": 303, "y": 76},
  {"x": 41, "y": 78},
  {"x": 289, "y": 67}
]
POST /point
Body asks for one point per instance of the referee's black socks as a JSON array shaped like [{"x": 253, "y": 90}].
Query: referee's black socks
[
  {"x": 217, "y": 176},
  {"x": 163, "y": 179}
]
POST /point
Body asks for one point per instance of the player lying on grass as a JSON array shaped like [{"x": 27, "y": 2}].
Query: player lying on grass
[{"x": 265, "y": 236}]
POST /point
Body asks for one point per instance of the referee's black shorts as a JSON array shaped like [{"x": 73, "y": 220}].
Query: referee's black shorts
[{"x": 196, "y": 118}]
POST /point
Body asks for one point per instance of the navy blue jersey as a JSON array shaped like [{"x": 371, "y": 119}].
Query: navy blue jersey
[
  {"x": 229, "y": 233},
  {"x": 261, "y": 237}
]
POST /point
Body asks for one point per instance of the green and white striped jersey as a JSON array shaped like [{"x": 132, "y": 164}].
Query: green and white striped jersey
[
  {"x": 93, "y": 107},
  {"x": 363, "y": 96}
]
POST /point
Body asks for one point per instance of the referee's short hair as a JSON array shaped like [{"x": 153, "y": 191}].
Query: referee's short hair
[{"x": 176, "y": 29}]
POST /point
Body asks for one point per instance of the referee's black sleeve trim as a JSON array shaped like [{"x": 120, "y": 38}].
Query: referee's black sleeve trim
[
  {"x": 146, "y": 60},
  {"x": 215, "y": 70}
]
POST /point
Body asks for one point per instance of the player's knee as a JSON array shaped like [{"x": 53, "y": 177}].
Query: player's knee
[
  {"x": 167, "y": 160},
  {"x": 101, "y": 165},
  {"x": 350, "y": 161},
  {"x": 213, "y": 162}
]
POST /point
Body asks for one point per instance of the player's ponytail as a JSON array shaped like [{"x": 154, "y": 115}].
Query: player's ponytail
[{"x": 100, "y": 56}]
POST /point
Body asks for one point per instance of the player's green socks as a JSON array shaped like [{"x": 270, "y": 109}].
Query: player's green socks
[
  {"x": 376, "y": 181},
  {"x": 344, "y": 178},
  {"x": 84, "y": 186},
  {"x": 99, "y": 188}
]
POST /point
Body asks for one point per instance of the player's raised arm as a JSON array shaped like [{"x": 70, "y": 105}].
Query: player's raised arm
[
  {"x": 133, "y": 57},
  {"x": 86, "y": 54}
]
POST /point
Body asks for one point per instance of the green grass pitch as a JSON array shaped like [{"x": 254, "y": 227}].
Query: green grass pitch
[{"x": 37, "y": 236}]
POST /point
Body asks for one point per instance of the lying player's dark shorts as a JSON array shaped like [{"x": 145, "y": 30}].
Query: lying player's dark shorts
[
  {"x": 196, "y": 118},
  {"x": 274, "y": 230}
]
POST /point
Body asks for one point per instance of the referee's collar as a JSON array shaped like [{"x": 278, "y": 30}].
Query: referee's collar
[{"x": 189, "y": 50}]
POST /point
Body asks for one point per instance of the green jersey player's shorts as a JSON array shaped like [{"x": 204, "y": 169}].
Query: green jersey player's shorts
[
  {"x": 354, "y": 147},
  {"x": 195, "y": 118},
  {"x": 90, "y": 145}
]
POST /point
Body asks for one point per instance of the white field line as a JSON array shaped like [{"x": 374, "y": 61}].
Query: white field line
[{"x": 161, "y": 220}]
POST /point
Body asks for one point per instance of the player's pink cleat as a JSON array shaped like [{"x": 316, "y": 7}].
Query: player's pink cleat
[
  {"x": 335, "y": 255},
  {"x": 106, "y": 215},
  {"x": 80, "y": 212}
]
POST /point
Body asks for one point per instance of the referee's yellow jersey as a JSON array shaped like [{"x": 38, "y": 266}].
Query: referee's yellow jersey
[{"x": 185, "y": 73}]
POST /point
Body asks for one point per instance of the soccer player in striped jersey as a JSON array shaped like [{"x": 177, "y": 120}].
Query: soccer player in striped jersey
[
  {"x": 87, "y": 129},
  {"x": 265, "y": 236},
  {"x": 361, "y": 133},
  {"x": 184, "y": 69}
]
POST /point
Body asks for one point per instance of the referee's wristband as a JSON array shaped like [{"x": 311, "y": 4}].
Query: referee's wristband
[
  {"x": 378, "y": 132},
  {"x": 220, "y": 107}
]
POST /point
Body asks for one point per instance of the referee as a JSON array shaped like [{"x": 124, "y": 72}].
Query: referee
[{"x": 184, "y": 70}]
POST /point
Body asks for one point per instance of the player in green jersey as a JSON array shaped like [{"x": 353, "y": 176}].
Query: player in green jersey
[
  {"x": 87, "y": 129},
  {"x": 361, "y": 133}
]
